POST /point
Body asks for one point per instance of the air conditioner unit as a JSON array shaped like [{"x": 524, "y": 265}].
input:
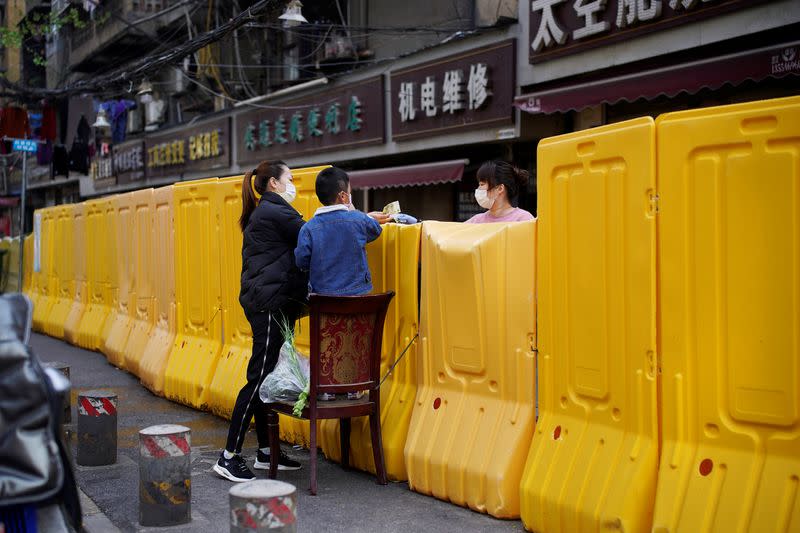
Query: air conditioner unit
[
  {"x": 175, "y": 82},
  {"x": 338, "y": 47}
]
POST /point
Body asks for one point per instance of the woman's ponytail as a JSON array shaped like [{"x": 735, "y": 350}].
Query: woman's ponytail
[
  {"x": 249, "y": 201},
  {"x": 254, "y": 184}
]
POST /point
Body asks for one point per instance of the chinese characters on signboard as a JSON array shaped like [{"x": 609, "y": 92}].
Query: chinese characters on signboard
[
  {"x": 347, "y": 116},
  {"x": 201, "y": 147},
  {"x": 129, "y": 162},
  {"x": 561, "y": 27},
  {"x": 101, "y": 169},
  {"x": 472, "y": 89}
]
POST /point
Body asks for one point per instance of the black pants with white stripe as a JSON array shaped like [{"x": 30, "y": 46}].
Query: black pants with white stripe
[{"x": 267, "y": 342}]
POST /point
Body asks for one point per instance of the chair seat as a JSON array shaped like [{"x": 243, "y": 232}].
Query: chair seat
[{"x": 328, "y": 409}]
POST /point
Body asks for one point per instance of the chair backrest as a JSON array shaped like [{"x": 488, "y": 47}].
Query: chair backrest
[{"x": 346, "y": 337}]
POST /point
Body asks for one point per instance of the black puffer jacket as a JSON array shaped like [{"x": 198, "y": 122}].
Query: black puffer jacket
[{"x": 270, "y": 278}]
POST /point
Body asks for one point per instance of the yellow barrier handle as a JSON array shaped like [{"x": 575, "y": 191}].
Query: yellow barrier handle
[{"x": 391, "y": 368}]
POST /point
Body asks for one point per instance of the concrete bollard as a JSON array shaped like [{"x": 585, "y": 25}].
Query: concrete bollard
[
  {"x": 64, "y": 369},
  {"x": 263, "y": 505},
  {"x": 165, "y": 475},
  {"x": 97, "y": 428}
]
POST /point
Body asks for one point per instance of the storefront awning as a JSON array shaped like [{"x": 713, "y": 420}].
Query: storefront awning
[
  {"x": 424, "y": 174},
  {"x": 733, "y": 69}
]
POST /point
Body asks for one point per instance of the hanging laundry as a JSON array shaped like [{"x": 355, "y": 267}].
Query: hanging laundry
[
  {"x": 79, "y": 152},
  {"x": 49, "y": 122},
  {"x": 44, "y": 155},
  {"x": 119, "y": 119},
  {"x": 60, "y": 161},
  {"x": 14, "y": 123}
]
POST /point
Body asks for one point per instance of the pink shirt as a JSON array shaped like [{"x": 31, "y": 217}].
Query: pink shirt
[{"x": 516, "y": 215}]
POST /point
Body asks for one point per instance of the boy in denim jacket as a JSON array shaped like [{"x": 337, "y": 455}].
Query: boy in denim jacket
[{"x": 331, "y": 246}]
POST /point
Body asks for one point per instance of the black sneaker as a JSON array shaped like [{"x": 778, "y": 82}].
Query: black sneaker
[
  {"x": 284, "y": 462},
  {"x": 234, "y": 469}
]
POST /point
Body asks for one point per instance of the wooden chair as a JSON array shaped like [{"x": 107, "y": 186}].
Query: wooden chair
[{"x": 346, "y": 338}]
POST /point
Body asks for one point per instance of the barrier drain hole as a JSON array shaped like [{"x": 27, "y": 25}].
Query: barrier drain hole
[
  {"x": 441, "y": 377},
  {"x": 706, "y": 465},
  {"x": 437, "y": 403},
  {"x": 557, "y": 433},
  {"x": 493, "y": 386}
]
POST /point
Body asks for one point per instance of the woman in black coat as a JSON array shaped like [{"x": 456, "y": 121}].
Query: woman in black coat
[{"x": 272, "y": 295}]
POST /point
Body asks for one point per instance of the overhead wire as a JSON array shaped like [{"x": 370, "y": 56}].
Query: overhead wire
[{"x": 143, "y": 66}]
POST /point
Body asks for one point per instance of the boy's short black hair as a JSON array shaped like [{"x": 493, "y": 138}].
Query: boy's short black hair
[{"x": 330, "y": 182}]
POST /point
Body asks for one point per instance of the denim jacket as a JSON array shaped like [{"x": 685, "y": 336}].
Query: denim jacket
[{"x": 331, "y": 248}]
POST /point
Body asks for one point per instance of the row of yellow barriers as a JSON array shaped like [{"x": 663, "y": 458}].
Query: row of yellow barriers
[{"x": 656, "y": 302}]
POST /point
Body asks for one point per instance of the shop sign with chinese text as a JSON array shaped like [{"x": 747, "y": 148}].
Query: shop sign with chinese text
[
  {"x": 129, "y": 159},
  {"x": 345, "y": 117},
  {"x": 201, "y": 147},
  {"x": 562, "y": 27},
  {"x": 470, "y": 90},
  {"x": 101, "y": 170}
]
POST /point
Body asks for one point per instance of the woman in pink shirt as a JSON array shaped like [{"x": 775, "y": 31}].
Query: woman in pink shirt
[{"x": 499, "y": 184}]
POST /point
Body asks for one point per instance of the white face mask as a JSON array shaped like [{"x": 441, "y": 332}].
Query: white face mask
[
  {"x": 482, "y": 197},
  {"x": 290, "y": 193}
]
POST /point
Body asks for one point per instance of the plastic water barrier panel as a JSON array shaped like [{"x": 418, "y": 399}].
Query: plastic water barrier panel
[
  {"x": 43, "y": 254},
  {"x": 231, "y": 372},
  {"x": 124, "y": 240},
  {"x": 144, "y": 263},
  {"x": 153, "y": 363},
  {"x": 473, "y": 417},
  {"x": 78, "y": 306},
  {"x": 63, "y": 271},
  {"x": 9, "y": 268},
  {"x": 394, "y": 265},
  {"x": 111, "y": 270},
  {"x": 729, "y": 261},
  {"x": 99, "y": 261},
  {"x": 198, "y": 342},
  {"x": 594, "y": 456}
]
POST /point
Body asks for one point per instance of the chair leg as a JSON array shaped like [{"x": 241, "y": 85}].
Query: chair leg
[
  {"x": 344, "y": 440},
  {"x": 313, "y": 459},
  {"x": 377, "y": 446},
  {"x": 274, "y": 442}
]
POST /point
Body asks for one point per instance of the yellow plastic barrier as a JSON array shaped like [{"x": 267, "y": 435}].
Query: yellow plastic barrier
[
  {"x": 143, "y": 307},
  {"x": 394, "y": 264},
  {"x": 78, "y": 304},
  {"x": 231, "y": 371},
  {"x": 593, "y": 460},
  {"x": 112, "y": 270},
  {"x": 473, "y": 417},
  {"x": 729, "y": 243},
  {"x": 64, "y": 272},
  {"x": 11, "y": 263},
  {"x": 121, "y": 318},
  {"x": 100, "y": 260},
  {"x": 194, "y": 356},
  {"x": 46, "y": 280},
  {"x": 153, "y": 363},
  {"x": 27, "y": 265}
]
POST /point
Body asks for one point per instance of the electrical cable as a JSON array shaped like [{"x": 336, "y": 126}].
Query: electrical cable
[{"x": 141, "y": 67}]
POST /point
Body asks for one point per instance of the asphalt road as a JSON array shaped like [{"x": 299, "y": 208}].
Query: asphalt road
[{"x": 346, "y": 500}]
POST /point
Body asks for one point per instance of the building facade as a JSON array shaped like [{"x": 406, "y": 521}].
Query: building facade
[{"x": 409, "y": 98}]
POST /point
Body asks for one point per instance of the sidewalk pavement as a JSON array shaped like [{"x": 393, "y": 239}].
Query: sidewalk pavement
[{"x": 347, "y": 500}]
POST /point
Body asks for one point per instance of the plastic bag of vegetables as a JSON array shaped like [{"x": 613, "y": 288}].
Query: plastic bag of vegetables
[{"x": 289, "y": 381}]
